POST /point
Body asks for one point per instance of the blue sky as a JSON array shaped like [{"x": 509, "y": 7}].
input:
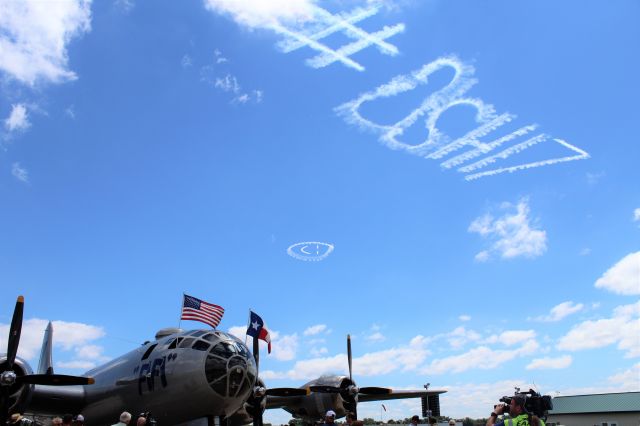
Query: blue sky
[{"x": 470, "y": 169}]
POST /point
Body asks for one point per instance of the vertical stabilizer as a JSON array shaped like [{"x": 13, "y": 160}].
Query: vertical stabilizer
[{"x": 46, "y": 364}]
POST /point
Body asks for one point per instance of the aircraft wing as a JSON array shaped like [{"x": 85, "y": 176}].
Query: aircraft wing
[
  {"x": 283, "y": 401},
  {"x": 399, "y": 394}
]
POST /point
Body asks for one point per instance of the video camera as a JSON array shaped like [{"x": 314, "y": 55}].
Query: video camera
[{"x": 534, "y": 403}]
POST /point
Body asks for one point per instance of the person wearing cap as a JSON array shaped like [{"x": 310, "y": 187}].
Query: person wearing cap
[
  {"x": 125, "y": 418},
  {"x": 452, "y": 422},
  {"x": 517, "y": 413},
  {"x": 414, "y": 420},
  {"x": 79, "y": 420},
  {"x": 329, "y": 418}
]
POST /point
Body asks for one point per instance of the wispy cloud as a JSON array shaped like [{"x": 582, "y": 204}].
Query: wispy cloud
[
  {"x": 550, "y": 363},
  {"x": 218, "y": 57},
  {"x": 315, "y": 329},
  {"x": 636, "y": 215},
  {"x": 464, "y": 318},
  {"x": 20, "y": 172},
  {"x": 376, "y": 337},
  {"x": 228, "y": 83},
  {"x": 263, "y": 14},
  {"x": 622, "y": 328},
  {"x": 594, "y": 178},
  {"x": 513, "y": 234},
  {"x": 401, "y": 358},
  {"x": 561, "y": 311},
  {"x": 126, "y": 6},
  {"x": 284, "y": 347},
  {"x": 460, "y": 336},
  {"x": 481, "y": 357},
  {"x": 585, "y": 251},
  {"x": 186, "y": 61},
  {"x": 34, "y": 36},
  {"x": 623, "y": 277},
  {"x": 511, "y": 337},
  {"x": 18, "y": 120}
]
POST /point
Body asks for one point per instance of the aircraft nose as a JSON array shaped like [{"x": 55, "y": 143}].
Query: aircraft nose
[{"x": 230, "y": 369}]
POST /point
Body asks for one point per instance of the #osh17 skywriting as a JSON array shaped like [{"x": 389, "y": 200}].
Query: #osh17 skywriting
[{"x": 486, "y": 146}]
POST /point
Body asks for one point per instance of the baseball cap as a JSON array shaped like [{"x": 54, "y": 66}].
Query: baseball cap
[
  {"x": 330, "y": 413},
  {"x": 79, "y": 418},
  {"x": 452, "y": 422}
]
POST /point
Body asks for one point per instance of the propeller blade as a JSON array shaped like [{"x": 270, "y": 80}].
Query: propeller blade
[
  {"x": 55, "y": 380},
  {"x": 325, "y": 389},
  {"x": 373, "y": 390},
  {"x": 257, "y": 418},
  {"x": 287, "y": 392},
  {"x": 349, "y": 355},
  {"x": 14, "y": 333}
]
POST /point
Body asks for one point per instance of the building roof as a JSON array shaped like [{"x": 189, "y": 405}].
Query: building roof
[{"x": 597, "y": 403}]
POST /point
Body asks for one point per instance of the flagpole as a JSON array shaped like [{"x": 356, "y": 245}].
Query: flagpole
[
  {"x": 181, "y": 306},
  {"x": 248, "y": 325}
]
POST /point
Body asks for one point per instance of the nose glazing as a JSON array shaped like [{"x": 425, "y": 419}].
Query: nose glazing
[{"x": 230, "y": 369}]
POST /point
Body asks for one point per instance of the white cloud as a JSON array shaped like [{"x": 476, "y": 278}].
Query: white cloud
[
  {"x": 511, "y": 337},
  {"x": 18, "y": 120},
  {"x": 20, "y": 172},
  {"x": 594, "y": 178},
  {"x": 403, "y": 358},
  {"x": 636, "y": 215},
  {"x": 34, "y": 36},
  {"x": 585, "y": 251},
  {"x": 70, "y": 112},
  {"x": 464, "y": 318},
  {"x": 240, "y": 331},
  {"x": 461, "y": 336},
  {"x": 628, "y": 379},
  {"x": 227, "y": 84},
  {"x": 318, "y": 351},
  {"x": 76, "y": 364},
  {"x": 262, "y": 14},
  {"x": 513, "y": 235},
  {"x": 219, "y": 58},
  {"x": 623, "y": 277},
  {"x": 622, "y": 328},
  {"x": 561, "y": 311},
  {"x": 550, "y": 363},
  {"x": 67, "y": 335},
  {"x": 481, "y": 357},
  {"x": 315, "y": 329},
  {"x": 284, "y": 347},
  {"x": 376, "y": 337},
  {"x": 186, "y": 61},
  {"x": 125, "y": 6}
]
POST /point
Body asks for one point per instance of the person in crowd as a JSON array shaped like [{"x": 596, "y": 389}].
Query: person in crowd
[
  {"x": 452, "y": 422},
  {"x": 414, "y": 420},
  {"x": 125, "y": 418},
  {"x": 57, "y": 421},
  {"x": 142, "y": 420},
  {"x": 78, "y": 420},
  {"x": 352, "y": 420},
  {"x": 517, "y": 413},
  {"x": 329, "y": 418},
  {"x": 67, "y": 420},
  {"x": 17, "y": 419}
]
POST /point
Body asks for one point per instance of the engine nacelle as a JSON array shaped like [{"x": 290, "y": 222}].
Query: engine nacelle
[{"x": 19, "y": 394}]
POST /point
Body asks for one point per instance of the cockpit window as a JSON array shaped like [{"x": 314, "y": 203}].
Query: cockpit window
[
  {"x": 186, "y": 343},
  {"x": 201, "y": 345},
  {"x": 197, "y": 333},
  {"x": 148, "y": 351},
  {"x": 209, "y": 337},
  {"x": 174, "y": 343}
]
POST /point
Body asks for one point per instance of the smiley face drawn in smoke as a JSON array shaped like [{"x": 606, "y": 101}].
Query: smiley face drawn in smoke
[{"x": 310, "y": 251}]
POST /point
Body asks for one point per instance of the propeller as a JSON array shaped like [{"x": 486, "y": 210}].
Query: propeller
[
  {"x": 9, "y": 378},
  {"x": 260, "y": 392},
  {"x": 348, "y": 390}
]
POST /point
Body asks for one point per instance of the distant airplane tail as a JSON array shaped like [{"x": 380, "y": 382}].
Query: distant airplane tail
[{"x": 45, "y": 366}]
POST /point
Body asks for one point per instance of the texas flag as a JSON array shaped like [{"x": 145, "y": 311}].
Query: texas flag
[{"x": 257, "y": 329}]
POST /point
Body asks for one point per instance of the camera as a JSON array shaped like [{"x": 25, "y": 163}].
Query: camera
[{"x": 534, "y": 403}]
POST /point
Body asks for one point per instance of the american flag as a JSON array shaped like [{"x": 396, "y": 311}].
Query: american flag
[{"x": 198, "y": 310}]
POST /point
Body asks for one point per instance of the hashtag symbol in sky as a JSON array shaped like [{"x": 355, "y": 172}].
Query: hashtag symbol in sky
[{"x": 325, "y": 24}]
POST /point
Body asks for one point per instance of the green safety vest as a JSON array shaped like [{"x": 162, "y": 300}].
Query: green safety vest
[{"x": 521, "y": 420}]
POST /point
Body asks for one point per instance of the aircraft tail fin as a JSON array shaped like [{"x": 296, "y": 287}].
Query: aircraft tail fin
[{"x": 45, "y": 366}]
